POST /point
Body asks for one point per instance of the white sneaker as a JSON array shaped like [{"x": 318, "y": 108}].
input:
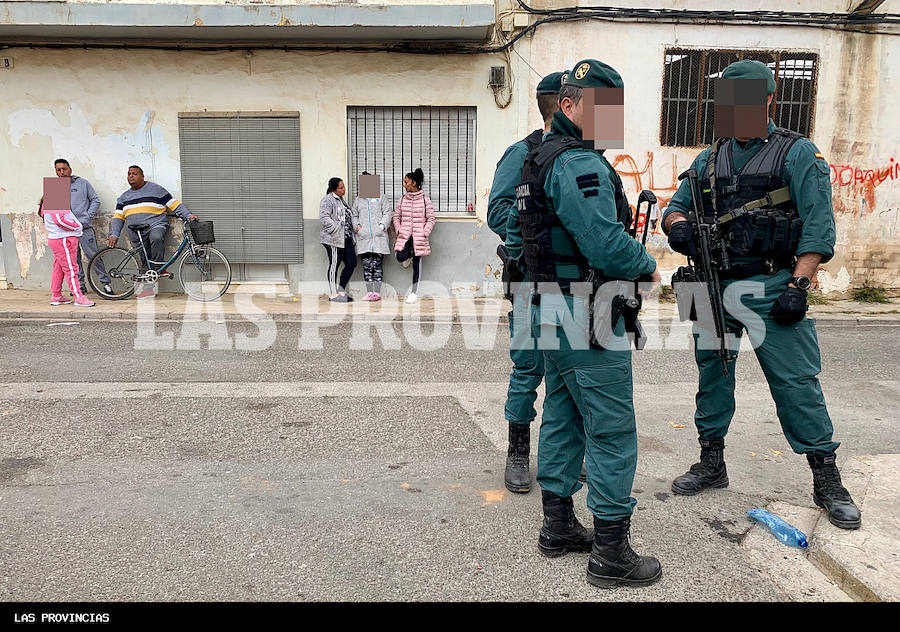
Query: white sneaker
[
  {"x": 107, "y": 289},
  {"x": 412, "y": 298}
]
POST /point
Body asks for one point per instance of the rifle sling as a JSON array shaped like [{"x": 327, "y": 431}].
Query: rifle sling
[{"x": 773, "y": 198}]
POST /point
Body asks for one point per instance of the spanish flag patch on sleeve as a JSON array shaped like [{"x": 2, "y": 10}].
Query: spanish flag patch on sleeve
[{"x": 820, "y": 156}]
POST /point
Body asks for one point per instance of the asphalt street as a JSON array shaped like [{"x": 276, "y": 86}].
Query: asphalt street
[{"x": 339, "y": 474}]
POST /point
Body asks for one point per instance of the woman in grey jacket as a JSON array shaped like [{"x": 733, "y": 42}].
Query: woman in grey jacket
[
  {"x": 337, "y": 236},
  {"x": 371, "y": 217}
]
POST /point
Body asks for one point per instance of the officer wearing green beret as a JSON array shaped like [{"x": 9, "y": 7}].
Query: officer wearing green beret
[
  {"x": 568, "y": 229},
  {"x": 528, "y": 363},
  {"x": 771, "y": 200}
]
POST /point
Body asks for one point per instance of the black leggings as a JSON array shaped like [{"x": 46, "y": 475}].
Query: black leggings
[
  {"x": 407, "y": 253},
  {"x": 336, "y": 256}
]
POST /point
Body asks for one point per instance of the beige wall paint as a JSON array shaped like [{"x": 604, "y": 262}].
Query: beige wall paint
[
  {"x": 104, "y": 110},
  {"x": 855, "y": 123}
]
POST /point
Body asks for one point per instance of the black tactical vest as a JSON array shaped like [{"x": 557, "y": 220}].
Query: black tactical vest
[
  {"x": 537, "y": 218},
  {"x": 770, "y": 232},
  {"x": 533, "y": 139}
]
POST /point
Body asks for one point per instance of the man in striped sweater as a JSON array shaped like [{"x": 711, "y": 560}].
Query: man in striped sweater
[{"x": 145, "y": 204}]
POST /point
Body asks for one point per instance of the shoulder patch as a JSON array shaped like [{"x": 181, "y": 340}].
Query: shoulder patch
[
  {"x": 591, "y": 193},
  {"x": 588, "y": 180}
]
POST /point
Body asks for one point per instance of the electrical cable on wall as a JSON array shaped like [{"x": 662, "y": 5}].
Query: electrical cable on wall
[{"x": 841, "y": 21}]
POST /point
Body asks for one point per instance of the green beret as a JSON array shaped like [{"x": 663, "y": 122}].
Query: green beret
[
  {"x": 590, "y": 73},
  {"x": 551, "y": 83},
  {"x": 751, "y": 69}
]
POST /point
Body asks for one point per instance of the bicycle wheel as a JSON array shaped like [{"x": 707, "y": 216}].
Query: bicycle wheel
[
  {"x": 204, "y": 273},
  {"x": 120, "y": 266}
]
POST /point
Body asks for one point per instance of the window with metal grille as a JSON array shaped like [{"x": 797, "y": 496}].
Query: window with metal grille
[
  {"x": 687, "y": 102},
  {"x": 242, "y": 171},
  {"x": 393, "y": 141}
]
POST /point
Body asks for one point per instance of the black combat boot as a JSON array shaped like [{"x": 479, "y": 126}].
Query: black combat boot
[
  {"x": 613, "y": 562},
  {"x": 561, "y": 531},
  {"x": 518, "y": 478},
  {"x": 709, "y": 472},
  {"x": 830, "y": 494}
]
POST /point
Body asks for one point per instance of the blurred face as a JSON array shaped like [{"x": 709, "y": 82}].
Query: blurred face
[
  {"x": 63, "y": 170},
  {"x": 604, "y": 118},
  {"x": 409, "y": 185},
  {"x": 341, "y": 189},
  {"x": 135, "y": 178},
  {"x": 741, "y": 108}
]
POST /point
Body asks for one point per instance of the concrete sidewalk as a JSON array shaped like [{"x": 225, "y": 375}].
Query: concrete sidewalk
[
  {"x": 840, "y": 565},
  {"x": 245, "y": 304}
]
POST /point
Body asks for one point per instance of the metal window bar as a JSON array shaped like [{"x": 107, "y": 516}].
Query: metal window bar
[
  {"x": 687, "y": 100},
  {"x": 393, "y": 141}
]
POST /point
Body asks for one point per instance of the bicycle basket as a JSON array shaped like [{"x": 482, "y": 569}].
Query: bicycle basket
[{"x": 202, "y": 232}]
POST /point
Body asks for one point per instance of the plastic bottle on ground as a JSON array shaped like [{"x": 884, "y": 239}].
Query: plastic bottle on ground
[{"x": 784, "y": 531}]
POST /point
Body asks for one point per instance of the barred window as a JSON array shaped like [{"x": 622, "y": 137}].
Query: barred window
[
  {"x": 687, "y": 102},
  {"x": 393, "y": 141}
]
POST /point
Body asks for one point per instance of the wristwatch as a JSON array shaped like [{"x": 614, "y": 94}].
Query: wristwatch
[{"x": 801, "y": 282}]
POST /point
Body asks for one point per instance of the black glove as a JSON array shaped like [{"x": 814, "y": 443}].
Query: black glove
[
  {"x": 790, "y": 307},
  {"x": 681, "y": 239}
]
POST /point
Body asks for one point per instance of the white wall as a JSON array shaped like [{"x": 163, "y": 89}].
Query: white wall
[
  {"x": 855, "y": 121},
  {"x": 105, "y": 110}
]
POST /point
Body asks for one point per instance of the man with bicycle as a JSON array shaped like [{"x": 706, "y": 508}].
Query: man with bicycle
[{"x": 143, "y": 209}]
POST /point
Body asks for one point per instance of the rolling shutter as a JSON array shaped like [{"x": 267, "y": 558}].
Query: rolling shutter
[{"x": 242, "y": 171}]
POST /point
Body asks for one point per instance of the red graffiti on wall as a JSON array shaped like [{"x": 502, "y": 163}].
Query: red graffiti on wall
[
  {"x": 863, "y": 181},
  {"x": 632, "y": 171},
  {"x": 847, "y": 175},
  {"x": 644, "y": 178}
]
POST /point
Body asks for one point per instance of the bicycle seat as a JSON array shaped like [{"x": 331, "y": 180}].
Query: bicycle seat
[{"x": 139, "y": 227}]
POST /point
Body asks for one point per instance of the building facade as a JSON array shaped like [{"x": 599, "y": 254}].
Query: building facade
[{"x": 245, "y": 109}]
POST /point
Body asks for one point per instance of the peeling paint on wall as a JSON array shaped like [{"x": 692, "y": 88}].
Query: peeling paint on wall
[
  {"x": 30, "y": 239},
  {"x": 107, "y": 156},
  {"x": 828, "y": 282}
]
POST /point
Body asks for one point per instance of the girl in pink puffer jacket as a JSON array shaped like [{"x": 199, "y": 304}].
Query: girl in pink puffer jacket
[{"x": 413, "y": 221}]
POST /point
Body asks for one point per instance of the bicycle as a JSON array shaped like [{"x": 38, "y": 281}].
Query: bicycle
[{"x": 203, "y": 271}]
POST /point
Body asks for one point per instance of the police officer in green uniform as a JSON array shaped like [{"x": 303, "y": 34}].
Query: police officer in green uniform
[
  {"x": 569, "y": 204},
  {"x": 528, "y": 363},
  {"x": 778, "y": 244}
]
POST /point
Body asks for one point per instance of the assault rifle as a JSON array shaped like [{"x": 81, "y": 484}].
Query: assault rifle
[{"x": 702, "y": 268}]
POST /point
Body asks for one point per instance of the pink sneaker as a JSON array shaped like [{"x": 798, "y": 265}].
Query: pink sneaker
[
  {"x": 376, "y": 296},
  {"x": 148, "y": 293},
  {"x": 59, "y": 300},
  {"x": 83, "y": 301},
  {"x": 368, "y": 297}
]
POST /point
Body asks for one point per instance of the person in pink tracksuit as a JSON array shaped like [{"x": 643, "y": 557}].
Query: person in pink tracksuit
[
  {"x": 413, "y": 220},
  {"x": 63, "y": 231}
]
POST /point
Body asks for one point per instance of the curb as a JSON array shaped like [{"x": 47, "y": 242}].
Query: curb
[{"x": 863, "y": 562}]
